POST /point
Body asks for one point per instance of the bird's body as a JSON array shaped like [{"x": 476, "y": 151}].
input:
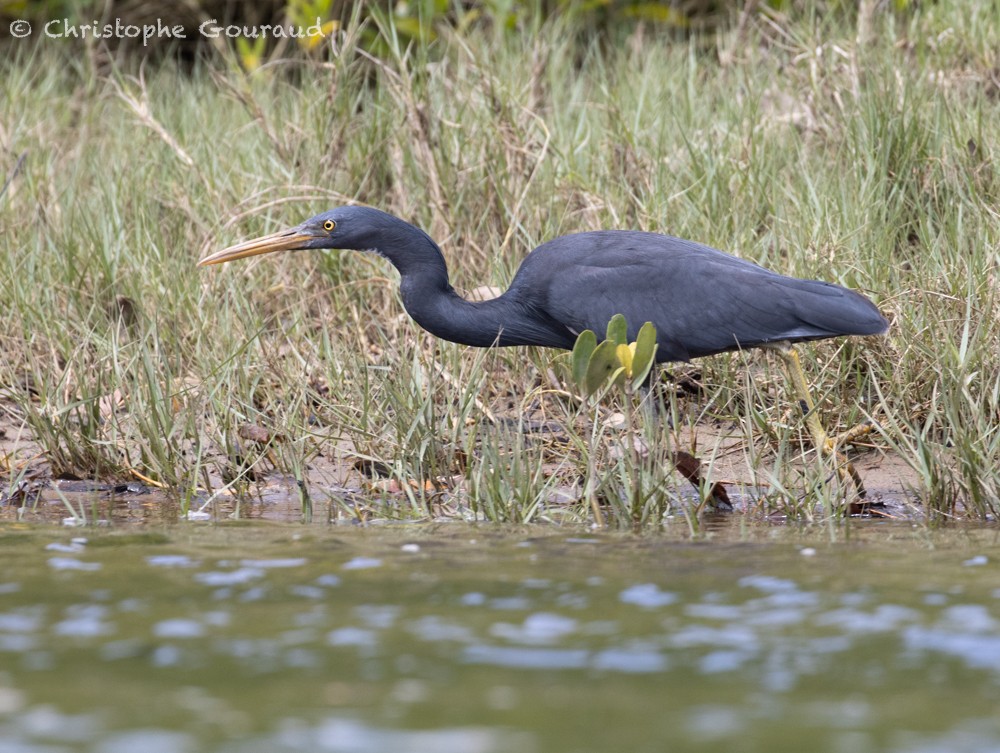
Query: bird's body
[{"x": 701, "y": 301}]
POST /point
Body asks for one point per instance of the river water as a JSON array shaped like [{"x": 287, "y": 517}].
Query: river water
[{"x": 460, "y": 639}]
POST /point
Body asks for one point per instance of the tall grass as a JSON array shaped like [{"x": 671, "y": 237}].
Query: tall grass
[{"x": 872, "y": 166}]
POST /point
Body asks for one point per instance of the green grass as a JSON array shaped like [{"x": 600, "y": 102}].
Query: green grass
[{"x": 868, "y": 166}]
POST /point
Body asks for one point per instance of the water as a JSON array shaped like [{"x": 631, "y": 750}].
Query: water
[{"x": 268, "y": 638}]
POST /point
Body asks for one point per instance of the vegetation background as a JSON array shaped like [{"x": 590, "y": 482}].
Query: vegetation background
[{"x": 849, "y": 142}]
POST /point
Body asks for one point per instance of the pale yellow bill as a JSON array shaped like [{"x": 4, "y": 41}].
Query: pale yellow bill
[{"x": 285, "y": 240}]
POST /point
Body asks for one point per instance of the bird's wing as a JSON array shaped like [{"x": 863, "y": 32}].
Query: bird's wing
[{"x": 701, "y": 301}]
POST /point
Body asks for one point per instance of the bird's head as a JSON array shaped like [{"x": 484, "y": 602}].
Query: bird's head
[{"x": 345, "y": 227}]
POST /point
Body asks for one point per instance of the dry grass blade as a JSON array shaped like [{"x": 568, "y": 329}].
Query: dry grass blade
[{"x": 142, "y": 109}]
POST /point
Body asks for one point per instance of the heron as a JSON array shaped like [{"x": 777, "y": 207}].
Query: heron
[{"x": 702, "y": 301}]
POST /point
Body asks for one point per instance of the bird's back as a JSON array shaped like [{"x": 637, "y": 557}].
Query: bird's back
[{"x": 701, "y": 300}]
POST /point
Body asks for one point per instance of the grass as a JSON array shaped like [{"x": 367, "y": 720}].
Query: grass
[{"x": 867, "y": 165}]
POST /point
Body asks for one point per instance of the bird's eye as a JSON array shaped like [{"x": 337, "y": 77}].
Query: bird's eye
[{"x": 329, "y": 225}]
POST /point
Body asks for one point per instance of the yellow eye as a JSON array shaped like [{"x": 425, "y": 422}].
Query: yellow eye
[{"x": 329, "y": 225}]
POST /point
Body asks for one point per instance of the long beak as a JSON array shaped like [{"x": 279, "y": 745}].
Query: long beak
[{"x": 285, "y": 240}]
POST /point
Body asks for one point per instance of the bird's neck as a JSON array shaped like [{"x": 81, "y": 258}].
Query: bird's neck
[
  {"x": 435, "y": 306},
  {"x": 433, "y": 303}
]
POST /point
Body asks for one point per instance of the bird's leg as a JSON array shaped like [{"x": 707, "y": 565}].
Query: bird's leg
[
  {"x": 821, "y": 439},
  {"x": 649, "y": 401}
]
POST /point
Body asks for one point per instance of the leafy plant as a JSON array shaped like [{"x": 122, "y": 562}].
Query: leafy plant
[{"x": 615, "y": 362}]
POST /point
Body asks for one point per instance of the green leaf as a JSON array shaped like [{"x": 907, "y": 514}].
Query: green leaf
[
  {"x": 645, "y": 353},
  {"x": 583, "y": 349},
  {"x": 603, "y": 362},
  {"x": 251, "y": 54},
  {"x": 618, "y": 330},
  {"x": 617, "y": 377}
]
